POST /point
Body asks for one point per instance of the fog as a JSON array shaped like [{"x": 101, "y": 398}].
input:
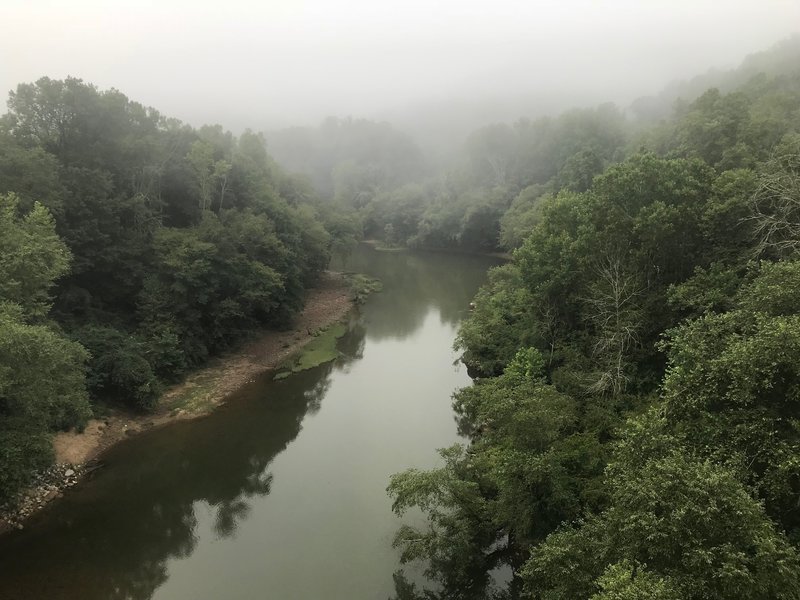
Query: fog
[{"x": 270, "y": 64}]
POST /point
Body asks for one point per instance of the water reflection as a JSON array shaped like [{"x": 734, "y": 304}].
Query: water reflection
[
  {"x": 168, "y": 494},
  {"x": 141, "y": 510},
  {"x": 415, "y": 282},
  {"x": 486, "y": 585}
]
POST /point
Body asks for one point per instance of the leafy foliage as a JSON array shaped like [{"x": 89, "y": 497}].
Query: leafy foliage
[
  {"x": 634, "y": 432},
  {"x": 157, "y": 245},
  {"x": 41, "y": 372},
  {"x": 32, "y": 257}
]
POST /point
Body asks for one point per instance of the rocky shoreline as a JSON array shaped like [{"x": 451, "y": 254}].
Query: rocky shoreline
[{"x": 48, "y": 485}]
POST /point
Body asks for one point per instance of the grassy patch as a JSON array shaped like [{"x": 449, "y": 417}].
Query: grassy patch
[
  {"x": 321, "y": 349},
  {"x": 195, "y": 394}
]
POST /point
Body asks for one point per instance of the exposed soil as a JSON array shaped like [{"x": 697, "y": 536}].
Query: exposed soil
[
  {"x": 206, "y": 388},
  {"x": 198, "y": 395}
]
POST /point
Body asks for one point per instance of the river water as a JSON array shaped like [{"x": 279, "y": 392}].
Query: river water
[{"x": 279, "y": 494}]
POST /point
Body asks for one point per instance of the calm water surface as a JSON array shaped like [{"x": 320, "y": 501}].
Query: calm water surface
[{"x": 280, "y": 493}]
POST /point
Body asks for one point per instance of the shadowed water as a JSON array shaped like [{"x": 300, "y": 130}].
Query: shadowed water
[{"x": 281, "y": 492}]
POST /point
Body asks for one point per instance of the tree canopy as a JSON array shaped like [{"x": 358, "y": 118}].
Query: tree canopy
[
  {"x": 132, "y": 248},
  {"x": 634, "y": 426}
]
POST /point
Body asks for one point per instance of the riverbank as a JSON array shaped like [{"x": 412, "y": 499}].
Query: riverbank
[{"x": 77, "y": 454}]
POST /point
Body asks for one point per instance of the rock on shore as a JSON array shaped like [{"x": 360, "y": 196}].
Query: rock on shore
[{"x": 46, "y": 486}]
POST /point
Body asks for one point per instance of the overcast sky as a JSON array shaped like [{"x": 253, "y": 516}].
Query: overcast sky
[{"x": 294, "y": 61}]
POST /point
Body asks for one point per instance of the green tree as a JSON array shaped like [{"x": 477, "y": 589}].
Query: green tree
[
  {"x": 687, "y": 528},
  {"x": 521, "y": 217},
  {"x": 32, "y": 257},
  {"x": 42, "y": 389},
  {"x": 42, "y": 384},
  {"x": 732, "y": 380}
]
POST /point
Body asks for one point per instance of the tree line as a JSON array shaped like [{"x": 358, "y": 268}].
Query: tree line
[
  {"x": 482, "y": 195},
  {"x": 634, "y": 425}
]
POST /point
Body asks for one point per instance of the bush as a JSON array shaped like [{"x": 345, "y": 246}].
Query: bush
[
  {"x": 119, "y": 368},
  {"x": 22, "y": 452}
]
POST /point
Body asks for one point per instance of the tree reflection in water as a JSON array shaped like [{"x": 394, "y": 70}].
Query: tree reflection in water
[
  {"x": 148, "y": 495},
  {"x": 483, "y": 588},
  {"x": 167, "y": 493}
]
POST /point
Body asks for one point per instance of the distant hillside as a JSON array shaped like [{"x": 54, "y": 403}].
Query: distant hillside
[{"x": 782, "y": 59}]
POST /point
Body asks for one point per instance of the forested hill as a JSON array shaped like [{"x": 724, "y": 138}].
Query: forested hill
[
  {"x": 636, "y": 429},
  {"x": 485, "y": 197},
  {"x": 774, "y": 62},
  {"x": 132, "y": 248}
]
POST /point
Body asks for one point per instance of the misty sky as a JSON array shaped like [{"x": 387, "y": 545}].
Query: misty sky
[{"x": 278, "y": 62}]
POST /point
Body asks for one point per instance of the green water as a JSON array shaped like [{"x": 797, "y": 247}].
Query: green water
[{"x": 280, "y": 494}]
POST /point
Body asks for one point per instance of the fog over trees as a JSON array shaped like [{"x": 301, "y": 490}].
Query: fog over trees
[
  {"x": 265, "y": 65},
  {"x": 173, "y": 178}
]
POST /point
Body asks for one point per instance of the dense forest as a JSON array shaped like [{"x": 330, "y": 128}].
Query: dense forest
[
  {"x": 132, "y": 248},
  {"x": 634, "y": 423}
]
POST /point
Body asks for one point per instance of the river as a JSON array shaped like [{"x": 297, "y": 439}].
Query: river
[{"x": 280, "y": 493}]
